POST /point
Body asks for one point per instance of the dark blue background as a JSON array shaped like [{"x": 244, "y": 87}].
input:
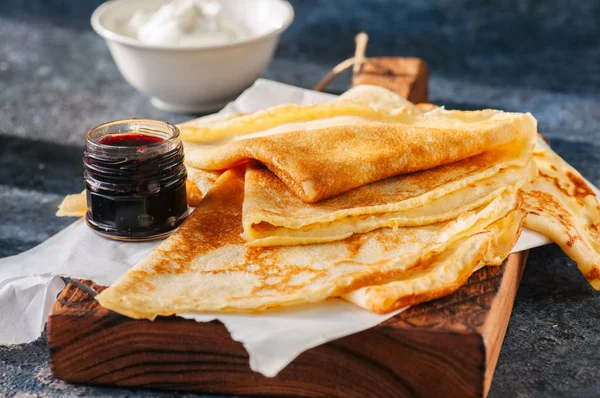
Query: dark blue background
[{"x": 57, "y": 80}]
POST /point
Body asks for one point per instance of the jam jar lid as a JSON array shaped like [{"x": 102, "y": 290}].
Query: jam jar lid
[{"x": 167, "y": 136}]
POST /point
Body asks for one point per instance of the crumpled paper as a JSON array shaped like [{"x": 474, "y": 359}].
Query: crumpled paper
[{"x": 29, "y": 282}]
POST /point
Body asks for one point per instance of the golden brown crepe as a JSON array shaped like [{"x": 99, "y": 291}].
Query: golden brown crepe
[
  {"x": 562, "y": 206},
  {"x": 288, "y": 113},
  {"x": 73, "y": 206},
  {"x": 359, "y": 105},
  {"x": 336, "y": 159},
  {"x": 447, "y": 272},
  {"x": 273, "y": 215},
  {"x": 394, "y": 233},
  {"x": 205, "y": 265},
  {"x": 378, "y": 202},
  {"x": 198, "y": 184}
]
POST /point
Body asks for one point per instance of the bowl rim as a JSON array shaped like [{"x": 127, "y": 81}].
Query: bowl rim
[{"x": 108, "y": 34}]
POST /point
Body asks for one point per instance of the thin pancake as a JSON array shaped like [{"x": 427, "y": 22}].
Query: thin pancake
[
  {"x": 377, "y": 97},
  {"x": 74, "y": 205},
  {"x": 446, "y": 272},
  {"x": 205, "y": 265},
  {"x": 351, "y": 108},
  {"x": 275, "y": 216},
  {"x": 198, "y": 184},
  {"x": 362, "y": 102},
  {"x": 336, "y": 159},
  {"x": 563, "y": 207}
]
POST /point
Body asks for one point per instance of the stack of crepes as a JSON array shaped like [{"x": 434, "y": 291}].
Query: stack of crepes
[{"x": 369, "y": 198}]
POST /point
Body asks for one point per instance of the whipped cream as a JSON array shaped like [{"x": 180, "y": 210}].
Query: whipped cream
[{"x": 184, "y": 23}]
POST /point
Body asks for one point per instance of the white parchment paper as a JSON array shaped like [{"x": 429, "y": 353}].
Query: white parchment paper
[{"x": 29, "y": 282}]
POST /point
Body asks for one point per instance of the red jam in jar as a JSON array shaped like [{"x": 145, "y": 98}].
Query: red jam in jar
[{"x": 135, "y": 179}]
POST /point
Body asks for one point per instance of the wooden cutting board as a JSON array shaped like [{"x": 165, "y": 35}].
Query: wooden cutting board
[{"x": 447, "y": 347}]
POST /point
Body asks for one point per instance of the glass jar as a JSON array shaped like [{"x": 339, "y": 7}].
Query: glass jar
[{"x": 134, "y": 179}]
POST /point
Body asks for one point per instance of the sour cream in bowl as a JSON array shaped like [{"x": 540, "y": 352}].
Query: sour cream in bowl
[
  {"x": 185, "y": 23},
  {"x": 192, "y": 55}
]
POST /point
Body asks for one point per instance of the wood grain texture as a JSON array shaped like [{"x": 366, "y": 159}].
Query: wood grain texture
[
  {"x": 408, "y": 77},
  {"x": 448, "y": 346}
]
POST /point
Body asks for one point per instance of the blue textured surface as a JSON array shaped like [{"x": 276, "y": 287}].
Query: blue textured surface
[{"x": 57, "y": 79}]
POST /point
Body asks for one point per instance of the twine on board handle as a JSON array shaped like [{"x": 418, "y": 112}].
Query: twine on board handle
[
  {"x": 355, "y": 62},
  {"x": 406, "y": 76}
]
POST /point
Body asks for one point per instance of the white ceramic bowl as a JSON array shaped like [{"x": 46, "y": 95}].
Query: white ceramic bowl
[{"x": 195, "y": 79}]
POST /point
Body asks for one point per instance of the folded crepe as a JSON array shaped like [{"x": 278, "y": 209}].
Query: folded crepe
[
  {"x": 558, "y": 203},
  {"x": 337, "y": 159},
  {"x": 447, "y": 272},
  {"x": 367, "y": 198},
  {"x": 206, "y": 266},
  {"x": 562, "y": 206},
  {"x": 359, "y": 104},
  {"x": 273, "y": 215},
  {"x": 391, "y": 238},
  {"x": 198, "y": 184}
]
